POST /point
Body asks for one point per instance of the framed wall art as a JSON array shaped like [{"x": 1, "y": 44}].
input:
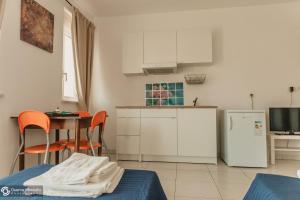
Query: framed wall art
[{"x": 37, "y": 25}]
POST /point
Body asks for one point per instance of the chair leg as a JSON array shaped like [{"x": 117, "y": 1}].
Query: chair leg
[
  {"x": 63, "y": 154},
  {"x": 69, "y": 152},
  {"x": 91, "y": 146},
  {"x": 49, "y": 158},
  {"x": 39, "y": 159},
  {"x": 47, "y": 149},
  {"x": 14, "y": 162},
  {"x": 106, "y": 148},
  {"x": 91, "y": 143},
  {"x": 68, "y": 135},
  {"x": 18, "y": 153}
]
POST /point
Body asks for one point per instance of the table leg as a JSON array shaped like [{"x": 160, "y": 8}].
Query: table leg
[
  {"x": 77, "y": 135},
  {"x": 272, "y": 150},
  {"x": 57, "y": 152},
  {"x": 22, "y": 156}
]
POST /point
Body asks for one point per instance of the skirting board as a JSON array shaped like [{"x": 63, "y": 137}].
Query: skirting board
[
  {"x": 287, "y": 155},
  {"x": 208, "y": 160}
]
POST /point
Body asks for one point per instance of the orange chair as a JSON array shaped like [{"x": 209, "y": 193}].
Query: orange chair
[
  {"x": 98, "y": 120},
  {"x": 41, "y": 120}
]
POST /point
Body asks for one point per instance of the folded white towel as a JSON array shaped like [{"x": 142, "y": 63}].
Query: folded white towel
[
  {"x": 75, "y": 170},
  {"x": 91, "y": 190},
  {"x": 116, "y": 180},
  {"x": 103, "y": 172}
]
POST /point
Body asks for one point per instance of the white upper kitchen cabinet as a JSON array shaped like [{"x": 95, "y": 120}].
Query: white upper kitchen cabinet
[
  {"x": 160, "y": 47},
  {"x": 132, "y": 53},
  {"x": 194, "y": 46},
  {"x": 197, "y": 132}
]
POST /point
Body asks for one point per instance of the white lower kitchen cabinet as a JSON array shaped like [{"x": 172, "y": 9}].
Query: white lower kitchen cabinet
[
  {"x": 128, "y": 145},
  {"x": 128, "y": 126},
  {"x": 159, "y": 136},
  {"x": 178, "y": 134},
  {"x": 197, "y": 132}
]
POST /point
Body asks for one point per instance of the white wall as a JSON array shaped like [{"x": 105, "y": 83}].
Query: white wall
[
  {"x": 30, "y": 78},
  {"x": 256, "y": 50}
]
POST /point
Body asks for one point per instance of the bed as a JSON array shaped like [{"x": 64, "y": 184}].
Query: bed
[
  {"x": 274, "y": 187},
  {"x": 134, "y": 185}
]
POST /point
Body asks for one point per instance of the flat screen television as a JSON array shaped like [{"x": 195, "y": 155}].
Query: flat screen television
[{"x": 284, "y": 120}]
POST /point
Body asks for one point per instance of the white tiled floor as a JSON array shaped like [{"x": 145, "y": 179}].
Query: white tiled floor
[{"x": 182, "y": 181}]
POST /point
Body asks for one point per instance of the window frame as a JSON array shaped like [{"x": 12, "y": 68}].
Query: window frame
[{"x": 67, "y": 98}]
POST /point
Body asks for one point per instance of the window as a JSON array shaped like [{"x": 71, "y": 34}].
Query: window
[{"x": 69, "y": 79}]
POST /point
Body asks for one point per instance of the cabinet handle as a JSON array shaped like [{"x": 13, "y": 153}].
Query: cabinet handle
[{"x": 231, "y": 123}]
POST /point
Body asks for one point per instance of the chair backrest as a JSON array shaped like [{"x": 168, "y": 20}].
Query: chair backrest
[
  {"x": 36, "y": 118},
  {"x": 98, "y": 118},
  {"x": 83, "y": 114}
]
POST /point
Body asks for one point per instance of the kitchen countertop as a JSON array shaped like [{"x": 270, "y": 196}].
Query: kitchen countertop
[{"x": 162, "y": 107}]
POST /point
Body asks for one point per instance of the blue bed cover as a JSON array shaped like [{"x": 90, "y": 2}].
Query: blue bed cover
[
  {"x": 274, "y": 187},
  {"x": 134, "y": 185}
]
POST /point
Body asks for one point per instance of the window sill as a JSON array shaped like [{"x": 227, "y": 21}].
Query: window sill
[{"x": 69, "y": 100}]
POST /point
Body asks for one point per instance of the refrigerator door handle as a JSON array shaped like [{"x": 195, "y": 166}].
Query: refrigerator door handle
[{"x": 231, "y": 123}]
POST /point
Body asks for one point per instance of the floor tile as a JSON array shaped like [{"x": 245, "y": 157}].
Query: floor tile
[
  {"x": 130, "y": 164},
  {"x": 168, "y": 186},
  {"x": 196, "y": 189},
  {"x": 194, "y": 175},
  {"x": 222, "y": 167},
  {"x": 225, "y": 177},
  {"x": 233, "y": 190},
  {"x": 251, "y": 173},
  {"x": 170, "y": 197},
  {"x": 187, "y": 166},
  {"x": 166, "y": 174},
  {"x": 184, "y": 181},
  {"x": 159, "y": 165}
]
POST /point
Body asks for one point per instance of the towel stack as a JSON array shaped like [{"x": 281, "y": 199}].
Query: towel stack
[{"x": 80, "y": 176}]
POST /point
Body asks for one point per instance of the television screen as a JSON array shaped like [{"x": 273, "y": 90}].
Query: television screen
[
  {"x": 284, "y": 119},
  {"x": 294, "y": 119}
]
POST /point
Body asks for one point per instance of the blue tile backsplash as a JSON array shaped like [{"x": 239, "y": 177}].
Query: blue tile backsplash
[{"x": 164, "y": 94}]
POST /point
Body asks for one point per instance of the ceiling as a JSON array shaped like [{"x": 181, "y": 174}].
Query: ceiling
[{"x": 102, "y": 8}]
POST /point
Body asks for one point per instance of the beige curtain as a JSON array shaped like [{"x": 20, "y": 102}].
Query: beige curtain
[
  {"x": 83, "y": 48},
  {"x": 1, "y": 11}
]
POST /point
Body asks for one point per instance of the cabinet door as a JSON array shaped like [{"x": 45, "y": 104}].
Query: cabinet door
[
  {"x": 197, "y": 132},
  {"x": 128, "y": 113},
  {"x": 160, "y": 47},
  {"x": 133, "y": 53},
  {"x": 128, "y": 144},
  {"x": 159, "y": 136},
  {"x": 194, "y": 46},
  {"x": 128, "y": 126}
]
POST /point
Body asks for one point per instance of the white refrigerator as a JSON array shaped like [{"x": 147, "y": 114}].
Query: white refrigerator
[{"x": 243, "y": 138}]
